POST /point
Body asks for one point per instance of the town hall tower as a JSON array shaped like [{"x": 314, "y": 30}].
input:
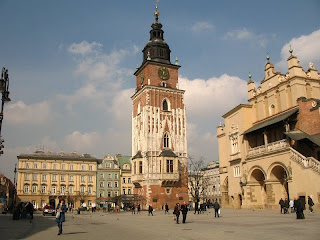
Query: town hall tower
[{"x": 159, "y": 135}]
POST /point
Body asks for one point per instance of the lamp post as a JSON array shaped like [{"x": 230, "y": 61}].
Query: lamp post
[{"x": 4, "y": 89}]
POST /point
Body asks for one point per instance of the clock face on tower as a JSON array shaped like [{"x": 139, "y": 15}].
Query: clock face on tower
[{"x": 163, "y": 73}]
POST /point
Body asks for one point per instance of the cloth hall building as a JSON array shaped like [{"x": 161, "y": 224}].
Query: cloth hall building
[{"x": 269, "y": 148}]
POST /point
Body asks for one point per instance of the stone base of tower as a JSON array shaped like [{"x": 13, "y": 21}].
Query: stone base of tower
[{"x": 157, "y": 196}]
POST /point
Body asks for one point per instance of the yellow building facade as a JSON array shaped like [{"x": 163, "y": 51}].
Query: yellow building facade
[
  {"x": 269, "y": 148},
  {"x": 45, "y": 177}
]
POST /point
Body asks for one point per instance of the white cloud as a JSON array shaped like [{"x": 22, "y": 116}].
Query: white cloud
[
  {"x": 85, "y": 48},
  {"x": 306, "y": 47},
  {"x": 33, "y": 114},
  {"x": 245, "y": 34},
  {"x": 202, "y": 26},
  {"x": 122, "y": 105},
  {"x": 86, "y": 142}
]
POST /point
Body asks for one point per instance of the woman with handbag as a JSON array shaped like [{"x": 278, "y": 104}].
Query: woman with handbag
[{"x": 60, "y": 215}]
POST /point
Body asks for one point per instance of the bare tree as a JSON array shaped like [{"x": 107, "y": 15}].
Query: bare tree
[{"x": 198, "y": 182}]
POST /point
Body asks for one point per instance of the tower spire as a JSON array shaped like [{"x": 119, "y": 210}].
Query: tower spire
[{"x": 156, "y": 13}]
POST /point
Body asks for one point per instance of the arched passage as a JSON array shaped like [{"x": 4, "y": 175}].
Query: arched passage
[
  {"x": 256, "y": 188},
  {"x": 278, "y": 178}
]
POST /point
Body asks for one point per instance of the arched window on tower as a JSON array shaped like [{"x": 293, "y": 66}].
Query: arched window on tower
[
  {"x": 139, "y": 108},
  {"x": 165, "y": 105},
  {"x": 166, "y": 140},
  {"x": 161, "y": 52}
]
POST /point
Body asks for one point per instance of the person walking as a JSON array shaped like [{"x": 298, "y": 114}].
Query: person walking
[
  {"x": 176, "y": 211},
  {"x": 60, "y": 216},
  {"x": 133, "y": 209},
  {"x": 196, "y": 207},
  {"x": 150, "y": 210},
  {"x": 300, "y": 209},
  {"x": 184, "y": 211},
  {"x": 139, "y": 209},
  {"x": 286, "y": 206},
  {"x": 166, "y": 208},
  {"x": 281, "y": 203},
  {"x": 291, "y": 206},
  {"x": 310, "y": 203},
  {"x": 216, "y": 207},
  {"x": 30, "y": 209}
]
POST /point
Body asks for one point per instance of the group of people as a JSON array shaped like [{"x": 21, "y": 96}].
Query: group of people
[
  {"x": 297, "y": 205},
  {"x": 133, "y": 209},
  {"x": 24, "y": 210}
]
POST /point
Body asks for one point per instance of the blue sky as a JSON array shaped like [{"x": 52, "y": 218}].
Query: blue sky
[{"x": 71, "y": 66}]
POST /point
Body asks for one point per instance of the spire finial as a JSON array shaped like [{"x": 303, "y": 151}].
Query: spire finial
[
  {"x": 268, "y": 58},
  {"x": 156, "y": 13},
  {"x": 176, "y": 62},
  {"x": 290, "y": 50},
  {"x": 250, "y": 76}
]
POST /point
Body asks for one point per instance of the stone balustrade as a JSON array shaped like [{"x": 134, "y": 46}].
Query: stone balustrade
[{"x": 274, "y": 146}]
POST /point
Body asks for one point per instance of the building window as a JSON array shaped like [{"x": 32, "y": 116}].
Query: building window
[
  {"x": 44, "y": 177},
  {"x": 135, "y": 168},
  {"x": 129, "y": 191},
  {"x": 63, "y": 167},
  {"x": 168, "y": 190},
  {"x": 71, "y": 189},
  {"x": 101, "y": 194},
  {"x": 116, "y": 194},
  {"x": 109, "y": 194},
  {"x": 54, "y": 189},
  {"x": 71, "y": 178},
  {"x": 116, "y": 176},
  {"x": 124, "y": 191},
  {"x": 109, "y": 184},
  {"x": 163, "y": 84},
  {"x": 27, "y": 165},
  {"x": 129, "y": 180},
  {"x": 71, "y": 167},
  {"x": 124, "y": 180},
  {"x": 83, "y": 167},
  {"x": 62, "y": 190},
  {"x": 101, "y": 184},
  {"x": 165, "y": 105},
  {"x": 54, "y": 177},
  {"x": 82, "y": 178},
  {"x": 116, "y": 184},
  {"x": 44, "y": 166},
  {"x": 82, "y": 189},
  {"x": 140, "y": 167},
  {"x": 234, "y": 144},
  {"x": 139, "y": 108},
  {"x": 89, "y": 203},
  {"x": 236, "y": 171},
  {"x": 90, "y": 178},
  {"x": 166, "y": 140},
  {"x": 34, "y": 188},
  {"x": 54, "y": 166},
  {"x": 169, "y": 166},
  {"x": 90, "y": 190},
  {"x": 26, "y": 188},
  {"x": 26, "y": 176},
  {"x": 63, "y": 178},
  {"x": 34, "y": 177},
  {"x": 109, "y": 176},
  {"x": 101, "y": 175},
  {"x": 90, "y": 168},
  {"x": 35, "y": 166}
]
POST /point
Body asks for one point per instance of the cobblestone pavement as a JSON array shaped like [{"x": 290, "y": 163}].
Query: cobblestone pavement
[{"x": 233, "y": 224}]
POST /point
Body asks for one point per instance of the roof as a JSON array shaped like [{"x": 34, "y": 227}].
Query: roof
[
  {"x": 58, "y": 156},
  {"x": 167, "y": 153},
  {"x": 299, "y": 135},
  {"x": 236, "y": 109},
  {"x": 138, "y": 155},
  {"x": 123, "y": 160},
  {"x": 272, "y": 120}
]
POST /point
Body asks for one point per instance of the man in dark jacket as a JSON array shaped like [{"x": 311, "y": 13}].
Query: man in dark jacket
[
  {"x": 300, "y": 209},
  {"x": 150, "y": 210},
  {"x": 286, "y": 206},
  {"x": 166, "y": 208},
  {"x": 216, "y": 207},
  {"x": 281, "y": 203},
  {"x": 61, "y": 209},
  {"x": 176, "y": 211},
  {"x": 310, "y": 203},
  {"x": 184, "y": 210}
]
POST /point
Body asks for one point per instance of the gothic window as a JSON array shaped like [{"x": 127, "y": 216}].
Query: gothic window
[
  {"x": 163, "y": 84},
  {"x": 139, "y": 108},
  {"x": 236, "y": 171},
  {"x": 165, "y": 105},
  {"x": 169, "y": 166},
  {"x": 234, "y": 143},
  {"x": 161, "y": 52},
  {"x": 140, "y": 167},
  {"x": 135, "y": 168},
  {"x": 166, "y": 140}
]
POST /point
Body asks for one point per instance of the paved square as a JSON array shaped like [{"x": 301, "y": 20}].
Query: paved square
[{"x": 233, "y": 224}]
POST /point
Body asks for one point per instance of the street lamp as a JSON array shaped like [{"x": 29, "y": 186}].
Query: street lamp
[{"x": 4, "y": 89}]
